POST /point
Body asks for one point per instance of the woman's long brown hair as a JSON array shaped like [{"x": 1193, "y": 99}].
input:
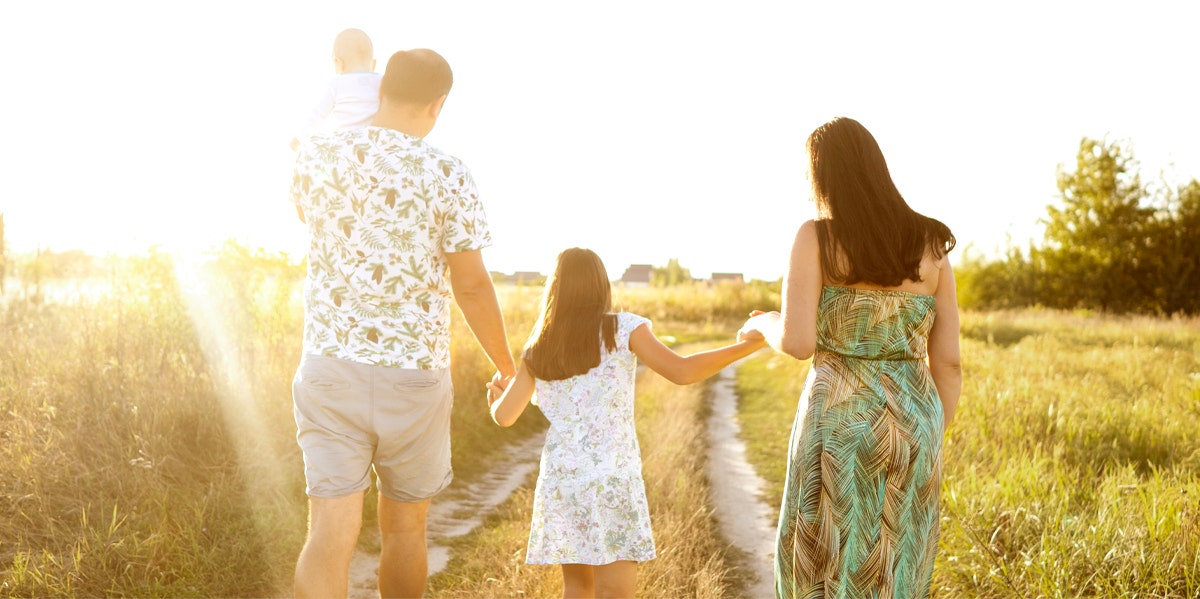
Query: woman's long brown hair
[
  {"x": 867, "y": 232},
  {"x": 575, "y": 316}
]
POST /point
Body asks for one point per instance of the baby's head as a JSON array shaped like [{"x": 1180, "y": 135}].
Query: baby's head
[{"x": 352, "y": 52}]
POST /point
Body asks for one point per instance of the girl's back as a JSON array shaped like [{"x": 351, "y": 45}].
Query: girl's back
[
  {"x": 589, "y": 506},
  {"x": 591, "y": 415}
]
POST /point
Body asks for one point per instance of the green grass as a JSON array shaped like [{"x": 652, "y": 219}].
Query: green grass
[
  {"x": 1072, "y": 468},
  {"x": 147, "y": 446}
]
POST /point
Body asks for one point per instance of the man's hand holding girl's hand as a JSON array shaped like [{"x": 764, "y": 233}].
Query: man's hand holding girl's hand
[{"x": 496, "y": 387}]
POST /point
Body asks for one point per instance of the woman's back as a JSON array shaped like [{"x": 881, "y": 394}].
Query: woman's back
[
  {"x": 870, "y": 298},
  {"x": 929, "y": 270},
  {"x": 860, "y": 508},
  {"x": 591, "y": 414}
]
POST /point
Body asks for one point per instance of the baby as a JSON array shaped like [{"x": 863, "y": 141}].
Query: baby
[{"x": 352, "y": 97}]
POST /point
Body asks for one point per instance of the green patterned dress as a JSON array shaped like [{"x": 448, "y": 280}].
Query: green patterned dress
[{"x": 860, "y": 505}]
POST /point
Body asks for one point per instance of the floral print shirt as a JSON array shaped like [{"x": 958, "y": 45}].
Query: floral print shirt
[{"x": 383, "y": 208}]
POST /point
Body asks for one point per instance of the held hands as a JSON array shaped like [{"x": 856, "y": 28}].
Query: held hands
[
  {"x": 497, "y": 386},
  {"x": 752, "y": 330}
]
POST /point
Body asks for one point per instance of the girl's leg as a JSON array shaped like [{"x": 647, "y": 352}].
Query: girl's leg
[
  {"x": 578, "y": 581},
  {"x": 617, "y": 580}
]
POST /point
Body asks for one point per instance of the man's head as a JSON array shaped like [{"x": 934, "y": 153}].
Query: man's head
[
  {"x": 352, "y": 51},
  {"x": 414, "y": 87},
  {"x": 417, "y": 77}
]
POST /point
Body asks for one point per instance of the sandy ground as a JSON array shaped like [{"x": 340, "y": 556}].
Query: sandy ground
[
  {"x": 737, "y": 490},
  {"x": 455, "y": 512}
]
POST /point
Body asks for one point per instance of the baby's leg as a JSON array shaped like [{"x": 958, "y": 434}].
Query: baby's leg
[
  {"x": 617, "y": 580},
  {"x": 578, "y": 581}
]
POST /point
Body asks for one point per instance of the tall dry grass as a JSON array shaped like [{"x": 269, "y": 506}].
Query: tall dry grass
[
  {"x": 148, "y": 439},
  {"x": 693, "y": 559},
  {"x": 1073, "y": 466},
  {"x": 148, "y": 442},
  {"x": 118, "y": 475}
]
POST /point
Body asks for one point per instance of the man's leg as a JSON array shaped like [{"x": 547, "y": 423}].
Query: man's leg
[
  {"x": 403, "y": 562},
  {"x": 323, "y": 569}
]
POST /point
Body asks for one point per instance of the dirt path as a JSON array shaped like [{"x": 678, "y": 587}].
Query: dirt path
[
  {"x": 454, "y": 513},
  {"x": 737, "y": 490}
]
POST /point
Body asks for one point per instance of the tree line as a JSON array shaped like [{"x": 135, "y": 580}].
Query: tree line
[{"x": 1113, "y": 243}]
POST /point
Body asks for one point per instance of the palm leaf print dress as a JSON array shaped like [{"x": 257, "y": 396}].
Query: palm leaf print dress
[{"x": 860, "y": 507}]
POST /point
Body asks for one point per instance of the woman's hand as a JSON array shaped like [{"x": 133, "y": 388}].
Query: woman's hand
[{"x": 752, "y": 330}]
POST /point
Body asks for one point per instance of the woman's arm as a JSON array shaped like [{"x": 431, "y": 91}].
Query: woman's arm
[
  {"x": 511, "y": 402},
  {"x": 684, "y": 370},
  {"x": 944, "y": 363},
  {"x": 794, "y": 331}
]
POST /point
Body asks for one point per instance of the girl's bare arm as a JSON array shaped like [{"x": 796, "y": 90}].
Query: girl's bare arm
[
  {"x": 684, "y": 370},
  {"x": 511, "y": 402}
]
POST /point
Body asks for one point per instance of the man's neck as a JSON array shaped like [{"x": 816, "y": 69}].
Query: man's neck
[{"x": 402, "y": 123}]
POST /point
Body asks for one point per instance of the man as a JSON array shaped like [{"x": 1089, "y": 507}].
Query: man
[{"x": 395, "y": 226}]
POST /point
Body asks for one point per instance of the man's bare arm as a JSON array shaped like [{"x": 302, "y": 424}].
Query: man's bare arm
[{"x": 476, "y": 297}]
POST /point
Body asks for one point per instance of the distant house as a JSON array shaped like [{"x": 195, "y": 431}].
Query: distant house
[
  {"x": 521, "y": 277},
  {"x": 727, "y": 277},
  {"x": 527, "y": 277},
  {"x": 637, "y": 275}
]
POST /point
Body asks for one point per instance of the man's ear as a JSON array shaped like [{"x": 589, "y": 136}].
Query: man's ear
[{"x": 435, "y": 108}]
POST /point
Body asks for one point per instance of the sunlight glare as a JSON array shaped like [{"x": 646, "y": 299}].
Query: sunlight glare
[{"x": 258, "y": 460}]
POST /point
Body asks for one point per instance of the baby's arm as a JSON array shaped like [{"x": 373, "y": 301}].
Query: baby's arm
[
  {"x": 513, "y": 400},
  {"x": 684, "y": 370}
]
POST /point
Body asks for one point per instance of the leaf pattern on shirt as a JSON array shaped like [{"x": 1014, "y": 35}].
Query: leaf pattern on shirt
[{"x": 382, "y": 209}]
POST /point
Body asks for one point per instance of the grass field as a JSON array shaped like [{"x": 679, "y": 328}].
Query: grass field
[
  {"x": 147, "y": 445},
  {"x": 147, "y": 440},
  {"x": 1072, "y": 467}
]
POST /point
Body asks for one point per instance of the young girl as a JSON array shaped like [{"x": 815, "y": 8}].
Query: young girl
[{"x": 589, "y": 508}]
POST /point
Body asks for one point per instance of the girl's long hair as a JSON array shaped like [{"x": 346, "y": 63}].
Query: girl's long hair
[
  {"x": 575, "y": 317},
  {"x": 867, "y": 232}
]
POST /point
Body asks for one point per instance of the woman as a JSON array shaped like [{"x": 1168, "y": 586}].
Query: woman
[{"x": 869, "y": 295}]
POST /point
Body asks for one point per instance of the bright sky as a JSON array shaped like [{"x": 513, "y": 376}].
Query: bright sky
[{"x": 643, "y": 130}]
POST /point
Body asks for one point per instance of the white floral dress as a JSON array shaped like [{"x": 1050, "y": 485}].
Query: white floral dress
[{"x": 590, "y": 503}]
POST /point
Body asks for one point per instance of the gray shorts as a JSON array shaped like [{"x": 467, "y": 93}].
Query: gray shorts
[{"x": 351, "y": 417}]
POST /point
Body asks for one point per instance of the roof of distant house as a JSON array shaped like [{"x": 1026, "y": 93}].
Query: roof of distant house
[{"x": 637, "y": 273}]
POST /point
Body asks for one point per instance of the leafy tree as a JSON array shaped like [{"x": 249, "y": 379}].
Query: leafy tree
[
  {"x": 1112, "y": 245},
  {"x": 670, "y": 275},
  {"x": 1098, "y": 241},
  {"x": 1176, "y": 250},
  {"x": 1010, "y": 282}
]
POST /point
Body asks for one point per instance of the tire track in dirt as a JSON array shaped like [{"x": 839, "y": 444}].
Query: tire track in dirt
[
  {"x": 737, "y": 489},
  {"x": 747, "y": 522},
  {"x": 454, "y": 513}
]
